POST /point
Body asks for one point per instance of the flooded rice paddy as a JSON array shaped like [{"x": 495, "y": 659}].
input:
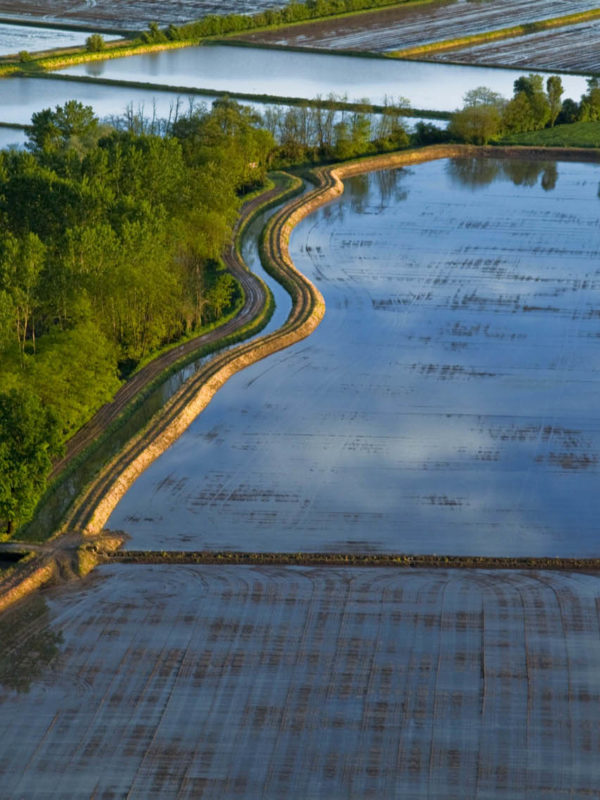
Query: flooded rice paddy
[
  {"x": 14, "y": 38},
  {"x": 446, "y": 404},
  {"x": 129, "y": 14},
  {"x": 403, "y": 27},
  {"x": 226, "y": 682},
  {"x": 22, "y": 97},
  {"x": 575, "y": 48},
  {"x": 285, "y": 74}
]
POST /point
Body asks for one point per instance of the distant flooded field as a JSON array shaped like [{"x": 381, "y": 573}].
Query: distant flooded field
[
  {"x": 129, "y": 14},
  {"x": 22, "y": 97},
  {"x": 574, "y": 48},
  {"x": 232, "y": 682},
  {"x": 405, "y": 26},
  {"x": 446, "y": 404},
  {"x": 15, "y": 38},
  {"x": 289, "y": 74}
]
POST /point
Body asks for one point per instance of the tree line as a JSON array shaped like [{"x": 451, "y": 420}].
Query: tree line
[
  {"x": 486, "y": 115},
  {"x": 219, "y": 25}
]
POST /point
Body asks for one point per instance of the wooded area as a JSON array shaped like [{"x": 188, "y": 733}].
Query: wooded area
[{"x": 110, "y": 249}]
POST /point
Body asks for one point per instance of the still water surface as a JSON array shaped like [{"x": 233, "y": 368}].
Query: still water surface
[
  {"x": 446, "y": 404},
  {"x": 286, "y": 74},
  {"x": 14, "y": 38},
  {"x": 229, "y": 682},
  {"x": 22, "y": 97}
]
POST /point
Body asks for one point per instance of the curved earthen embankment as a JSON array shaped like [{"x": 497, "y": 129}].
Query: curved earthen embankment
[
  {"x": 91, "y": 512},
  {"x": 92, "y": 509}
]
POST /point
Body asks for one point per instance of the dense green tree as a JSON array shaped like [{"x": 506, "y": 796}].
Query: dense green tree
[
  {"x": 554, "y": 90},
  {"x": 95, "y": 43},
  {"x": 569, "y": 112},
  {"x": 21, "y": 262},
  {"x": 29, "y": 440},
  {"x": 74, "y": 373},
  {"x": 590, "y": 102},
  {"x": 71, "y": 126},
  {"x": 518, "y": 115},
  {"x": 476, "y": 124},
  {"x": 530, "y": 108}
]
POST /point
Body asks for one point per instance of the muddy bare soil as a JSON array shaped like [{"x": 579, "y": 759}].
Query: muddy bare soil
[
  {"x": 233, "y": 682},
  {"x": 574, "y": 48},
  {"x": 398, "y": 28},
  {"x": 128, "y": 14}
]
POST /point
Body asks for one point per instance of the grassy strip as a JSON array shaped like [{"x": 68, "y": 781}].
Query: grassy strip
[
  {"x": 84, "y": 56},
  {"x": 577, "y": 134},
  {"x": 501, "y": 33},
  {"x": 425, "y": 561}
]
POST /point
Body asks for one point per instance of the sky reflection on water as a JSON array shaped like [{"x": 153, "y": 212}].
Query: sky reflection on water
[
  {"x": 288, "y": 74},
  {"x": 447, "y": 402}
]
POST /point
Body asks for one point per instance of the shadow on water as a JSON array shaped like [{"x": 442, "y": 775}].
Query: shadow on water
[{"x": 29, "y": 644}]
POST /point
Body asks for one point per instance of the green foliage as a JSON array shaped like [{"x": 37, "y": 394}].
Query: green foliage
[
  {"x": 578, "y": 134},
  {"x": 25, "y": 56},
  {"x": 427, "y": 133},
  {"x": 69, "y": 127},
  {"x": 476, "y": 124},
  {"x": 153, "y": 35},
  {"x": 29, "y": 440},
  {"x": 108, "y": 251},
  {"x": 486, "y": 116},
  {"x": 328, "y": 130},
  {"x": 554, "y": 90},
  {"x": 74, "y": 373},
  {"x": 95, "y": 43}
]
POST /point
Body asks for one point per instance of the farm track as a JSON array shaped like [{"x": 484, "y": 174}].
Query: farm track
[
  {"x": 255, "y": 296},
  {"x": 92, "y": 510},
  {"x": 398, "y": 560}
]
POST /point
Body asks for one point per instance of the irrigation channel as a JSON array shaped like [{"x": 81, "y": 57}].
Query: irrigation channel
[{"x": 447, "y": 399}]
